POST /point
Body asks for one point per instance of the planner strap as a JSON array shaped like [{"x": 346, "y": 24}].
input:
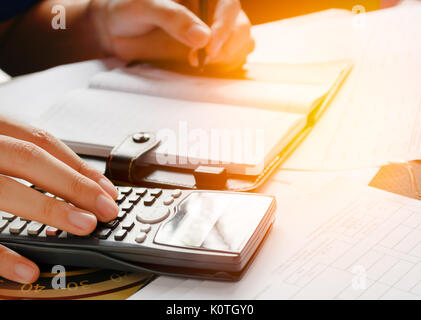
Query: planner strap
[{"x": 122, "y": 159}]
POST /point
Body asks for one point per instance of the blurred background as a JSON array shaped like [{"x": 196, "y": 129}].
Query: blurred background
[{"x": 261, "y": 11}]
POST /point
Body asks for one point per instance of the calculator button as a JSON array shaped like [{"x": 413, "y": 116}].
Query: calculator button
[
  {"x": 140, "y": 237},
  {"x": 149, "y": 200},
  {"x": 121, "y": 215},
  {"x": 168, "y": 201},
  {"x": 112, "y": 224},
  {"x": 52, "y": 232},
  {"x": 141, "y": 191},
  {"x": 23, "y": 219},
  {"x": 17, "y": 227},
  {"x": 145, "y": 227},
  {"x": 35, "y": 228},
  {"x": 134, "y": 198},
  {"x": 120, "y": 198},
  {"x": 3, "y": 224},
  {"x": 128, "y": 206},
  {"x": 153, "y": 216},
  {"x": 120, "y": 234},
  {"x": 125, "y": 190},
  {"x": 8, "y": 216},
  {"x": 128, "y": 225},
  {"x": 103, "y": 233},
  {"x": 155, "y": 192},
  {"x": 176, "y": 193}
]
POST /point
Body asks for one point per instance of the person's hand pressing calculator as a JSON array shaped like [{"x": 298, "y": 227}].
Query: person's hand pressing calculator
[
  {"x": 206, "y": 234},
  {"x": 33, "y": 155},
  {"x": 65, "y": 212}
]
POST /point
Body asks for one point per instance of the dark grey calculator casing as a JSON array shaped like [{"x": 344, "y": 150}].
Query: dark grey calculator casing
[{"x": 148, "y": 256}]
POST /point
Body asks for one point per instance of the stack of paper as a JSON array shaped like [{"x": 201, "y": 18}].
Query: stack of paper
[{"x": 375, "y": 116}]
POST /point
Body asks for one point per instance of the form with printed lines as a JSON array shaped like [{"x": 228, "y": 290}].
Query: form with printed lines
[
  {"x": 336, "y": 240},
  {"x": 370, "y": 248}
]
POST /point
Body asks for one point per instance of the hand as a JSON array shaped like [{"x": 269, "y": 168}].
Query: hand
[
  {"x": 169, "y": 30},
  {"x": 230, "y": 42},
  {"x": 37, "y": 157}
]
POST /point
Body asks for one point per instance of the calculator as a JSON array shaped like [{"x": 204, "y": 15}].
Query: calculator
[{"x": 192, "y": 233}]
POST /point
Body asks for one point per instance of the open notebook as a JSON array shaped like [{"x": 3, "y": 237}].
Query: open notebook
[
  {"x": 293, "y": 88},
  {"x": 240, "y": 124}
]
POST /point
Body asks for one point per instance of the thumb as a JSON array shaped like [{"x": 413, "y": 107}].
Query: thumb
[{"x": 180, "y": 23}]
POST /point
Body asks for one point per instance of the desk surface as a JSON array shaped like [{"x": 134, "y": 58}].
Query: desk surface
[{"x": 34, "y": 94}]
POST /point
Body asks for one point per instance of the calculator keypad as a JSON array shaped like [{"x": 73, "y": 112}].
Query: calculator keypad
[{"x": 141, "y": 210}]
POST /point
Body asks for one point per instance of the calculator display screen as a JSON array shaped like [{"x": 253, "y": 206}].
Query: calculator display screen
[{"x": 214, "y": 221}]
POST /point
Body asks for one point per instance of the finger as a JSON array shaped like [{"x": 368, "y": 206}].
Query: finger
[
  {"x": 193, "y": 58},
  {"x": 234, "y": 59},
  {"x": 17, "y": 268},
  {"x": 27, "y": 161},
  {"x": 238, "y": 45},
  {"x": 156, "y": 45},
  {"x": 225, "y": 17},
  {"x": 56, "y": 148},
  {"x": 179, "y": 22},
  {"x": 30, "y": 204}
]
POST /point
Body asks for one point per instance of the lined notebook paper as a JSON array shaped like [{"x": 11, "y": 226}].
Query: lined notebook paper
[
  {"x": 294, "y": 88},
  {"x": 258, "y": 115}
]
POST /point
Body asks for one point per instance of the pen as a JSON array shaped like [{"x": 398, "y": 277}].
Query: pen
[{"x": 203, "y": 15}]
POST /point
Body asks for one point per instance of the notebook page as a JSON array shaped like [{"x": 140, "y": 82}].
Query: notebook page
[
  {"x": 335, "y": 240},
  {"x": 26, "y": 97},
  {"x": 4, "y": 77},
  {"x": 375, "y": 116},
  {"x": 94, "y": 121},
  {"x": 282, "y": 87}
]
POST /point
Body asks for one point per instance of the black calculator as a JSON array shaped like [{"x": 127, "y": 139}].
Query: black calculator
[{"x": 192, "y": 233}]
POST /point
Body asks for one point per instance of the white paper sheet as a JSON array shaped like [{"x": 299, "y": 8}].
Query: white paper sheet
[
  {"x": 94, "y": 121},
  {"x": 376, "y": 114},
  {"x": 27, "y": 97},
  {"x": 335, "y": 240},
  {"x": 286, "y": 87}
]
